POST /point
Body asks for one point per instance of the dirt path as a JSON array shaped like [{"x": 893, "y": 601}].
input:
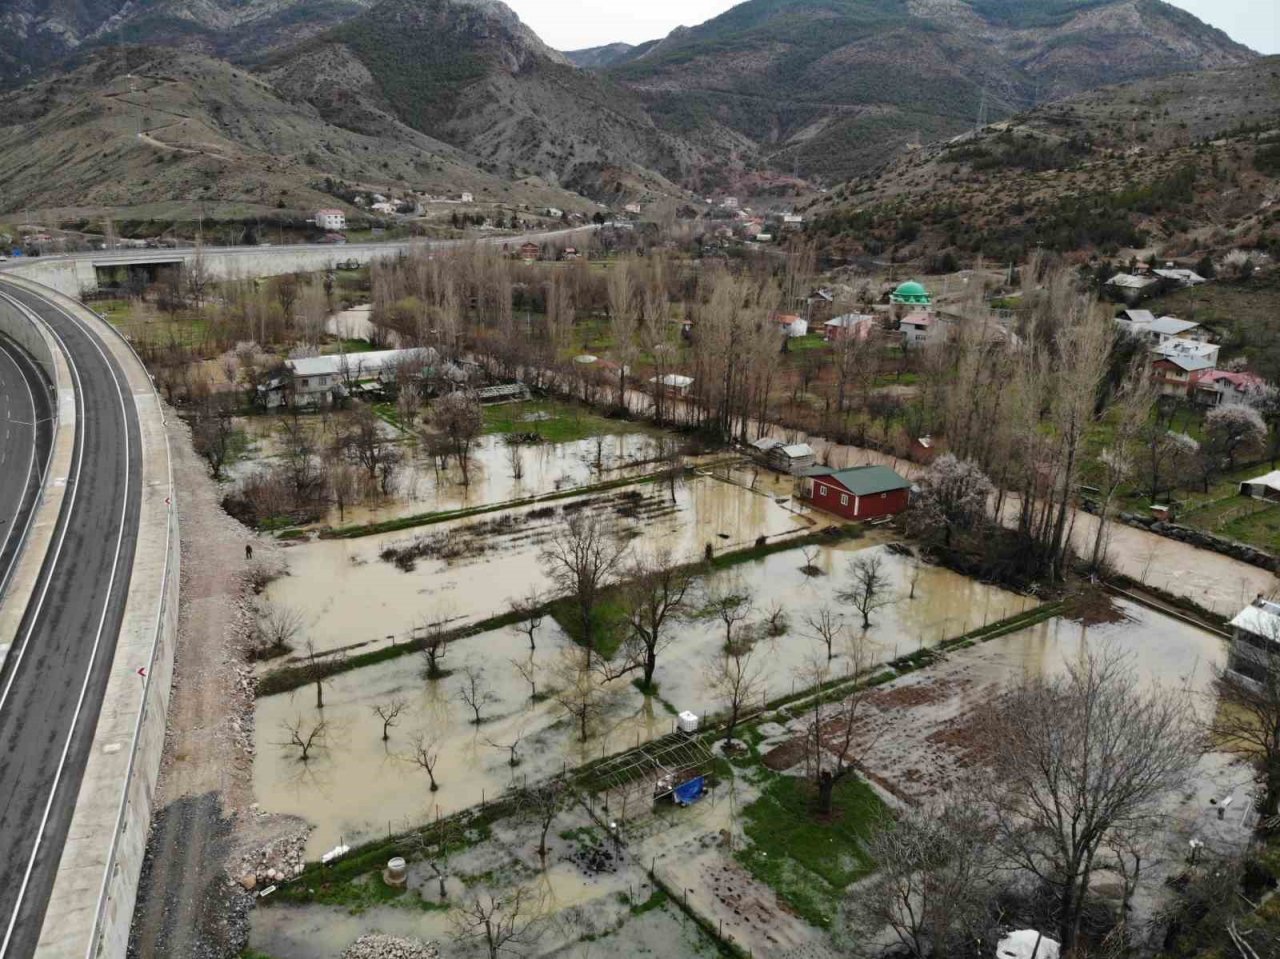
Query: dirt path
[{"x": 186, "y": 906}]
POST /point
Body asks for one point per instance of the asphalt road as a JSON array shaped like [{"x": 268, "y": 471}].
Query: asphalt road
[
  {"x": 53, "y": 681},
  {"x": 26, "y": 438}
]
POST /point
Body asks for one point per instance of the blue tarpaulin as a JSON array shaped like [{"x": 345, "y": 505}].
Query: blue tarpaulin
[{"x": 686, "y": 794}]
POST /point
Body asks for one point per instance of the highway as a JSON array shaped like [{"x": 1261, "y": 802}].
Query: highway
[
  {"x": 26, "y": 436},
  {"x": 52, "y": 683}
]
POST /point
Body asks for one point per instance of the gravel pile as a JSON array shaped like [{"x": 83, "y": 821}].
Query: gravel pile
[
  {"x": 280, "y": 859},
  {"x": 378, "y": 946}
]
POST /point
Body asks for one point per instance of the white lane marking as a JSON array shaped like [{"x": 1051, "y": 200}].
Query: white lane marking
[
  {"x": 97, "y": 641},
  {"x": 31, "y": 465}
]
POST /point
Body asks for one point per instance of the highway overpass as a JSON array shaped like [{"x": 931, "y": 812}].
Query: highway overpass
[{"x": 76, "y": 274}]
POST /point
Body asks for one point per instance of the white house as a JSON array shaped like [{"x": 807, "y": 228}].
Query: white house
[
  {"x": 1179, "y": 276},
  {"x": 1131, "y": 288},
  {"x": 792, "y": 326},
  {"x": 467, "y": 198},
  {"x": 917, "y": 328},
  {"x": 384, "y": 207},
  {"x": 673, "y": 383},
  {"x": 331, "y": 221},
  {"x": 1266, "y": 486},
  {"x": 1255, "y": 640},
  {"x": 1176, "y": 348},
  {"x": 1142, "y": 323},
  {"x": 635, "y": 209},
  {"x": 316, "y": 380}
]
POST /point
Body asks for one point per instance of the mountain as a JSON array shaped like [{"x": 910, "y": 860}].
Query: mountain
[
  {"x": 831, "y": 88},
  {"x": 594, "y": 58},
  {"x": 1185, "y": 164},
  {"x": 470, "y": 73},
  {"x": 34, "y": 34},
  {"x": 153, "y": 131}
]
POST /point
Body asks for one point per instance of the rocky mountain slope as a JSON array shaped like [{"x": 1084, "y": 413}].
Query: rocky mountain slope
[
  {"x": 1184, "y": 164},
  {"x": 470, "y": 73},
  {"x": 137, "y": 126},
  {"x": 34, "y": 34},
  {"x": 831, "y": 88}
]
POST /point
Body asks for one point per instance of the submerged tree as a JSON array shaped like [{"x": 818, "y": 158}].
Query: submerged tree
[
  {"x": 1081, "y": 759},
  {"x": 581, "y": 558},
  {"x": 869, "y": 587}
]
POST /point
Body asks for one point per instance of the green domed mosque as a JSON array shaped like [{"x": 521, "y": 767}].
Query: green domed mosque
[{"x": 910, "y": 293}]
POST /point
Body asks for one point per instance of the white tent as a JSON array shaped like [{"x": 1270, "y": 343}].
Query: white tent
[{"x": 1027, "y": 944}]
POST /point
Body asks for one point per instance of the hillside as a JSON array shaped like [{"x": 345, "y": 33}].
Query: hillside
[
  {"x": 832, "y": 88},
  {"x": 34, "y": 34},
  {"x": 1184, "y": 164},
  {"x": 470, "y": 73},
  {"x": 141, "y": 126}
]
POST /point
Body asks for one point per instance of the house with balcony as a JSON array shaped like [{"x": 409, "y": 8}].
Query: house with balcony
[{"x": 1255, "y": 641}]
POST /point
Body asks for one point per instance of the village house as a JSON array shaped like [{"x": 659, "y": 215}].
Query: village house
[
  {"x": 1176, "y": 364},
  {"x": 792, "y": 458},
  {"x": 1265, "y": 487},
  {"x": 1216, "y": 387},
  {"x": 319, "y": 380},
  {"x": 673, "y": 384},
  {"x": 530, "y": 252},
  {"x": 1156, "y": 330},
  {"x": 1255, "y": 640},
  {"x": 1180, "y": 277},
  {"x": 792, "y": 326},
  {"x": 850, "y": 326},
  {"x": 331, "y": 221},
  {"x": 917, "y": 329},
  {"x": 860, "y": 493},
  {"x": 467, "y": 198},
  {"x": 1131, "y": 288},
  {"x": 385, "y": 207}
]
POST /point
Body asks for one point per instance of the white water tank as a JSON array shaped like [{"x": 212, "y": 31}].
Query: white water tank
[
  {"x": 687, "y": 722},
  {"x": 1027, "y": 944}
]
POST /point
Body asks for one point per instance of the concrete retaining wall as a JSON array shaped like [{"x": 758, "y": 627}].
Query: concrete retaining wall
[{"x": 91, "y": 906}]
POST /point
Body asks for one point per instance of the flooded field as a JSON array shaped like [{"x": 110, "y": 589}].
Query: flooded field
[
  {"x": 349, "y": 595},
  {"x": 420, "y": 486},
  {"x": 357, "y": 788},
  {"x": 586, "y": 911}
]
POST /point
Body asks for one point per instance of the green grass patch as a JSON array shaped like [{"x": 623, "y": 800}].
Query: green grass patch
[
  {"x": 807, "y": 859},
  {"x": 349, "y": 346},
  {"x": 810, "y": 341},
  {"x": 555, "y": 421}
]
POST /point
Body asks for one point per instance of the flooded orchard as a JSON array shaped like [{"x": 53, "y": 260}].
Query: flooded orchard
[
  {"x": 470, "y": 569},
  {"x": 357, "y": 788}
]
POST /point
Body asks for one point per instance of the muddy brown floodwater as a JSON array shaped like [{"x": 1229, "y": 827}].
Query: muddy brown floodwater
[
  {"x": 348, "y": 595},
  {"x": 357, "y": 788}
]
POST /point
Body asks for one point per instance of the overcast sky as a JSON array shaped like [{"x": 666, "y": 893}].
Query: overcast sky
[{"x": 572, "y": 24}]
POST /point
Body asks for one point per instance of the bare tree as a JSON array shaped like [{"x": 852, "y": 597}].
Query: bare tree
[
  {"x": 581, "y": 558},
  {"x": 656, "y": 597},
  {"x": 1081, "y": 757},
  {"x": 319, "y": 667},
  {"x": 212, "y": 438},
  {"x": 542, "y": 804},
  {"x": 389, "y": 714},
  {"x": 277, "y": 630},
  {"x": 731, "y": 606},
  {"x": 475, "y": 692},
  {"x": 305, "y": 737},
  {"x": 512, "y": 748},
  {"x": 499, "y": 924},
  {"x": 528, "y": 670},
  {"x": 735, "y": 679},
  {"x": 515, "y": 459},
  {"x": 434, "y": 648},
  {"x": 373, "y": 451},
  {"x": 529, "y": 609},
  {"x": 935, "y": 882},
  {"x": 425, "y": 755},
  {"x": 459, "y": 417},
  {"x": 869, "y": 587},
  {"x": 577, "y": 690},
  {"x": 811, "y": 567},
  {"x": 825, "y": 625}
]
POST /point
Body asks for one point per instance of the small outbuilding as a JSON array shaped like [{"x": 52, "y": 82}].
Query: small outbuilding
[
  {"x": 793, "y": 458},
  {"x": 859, "y": 493},
  {"x": 1265, "y": 487}
]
